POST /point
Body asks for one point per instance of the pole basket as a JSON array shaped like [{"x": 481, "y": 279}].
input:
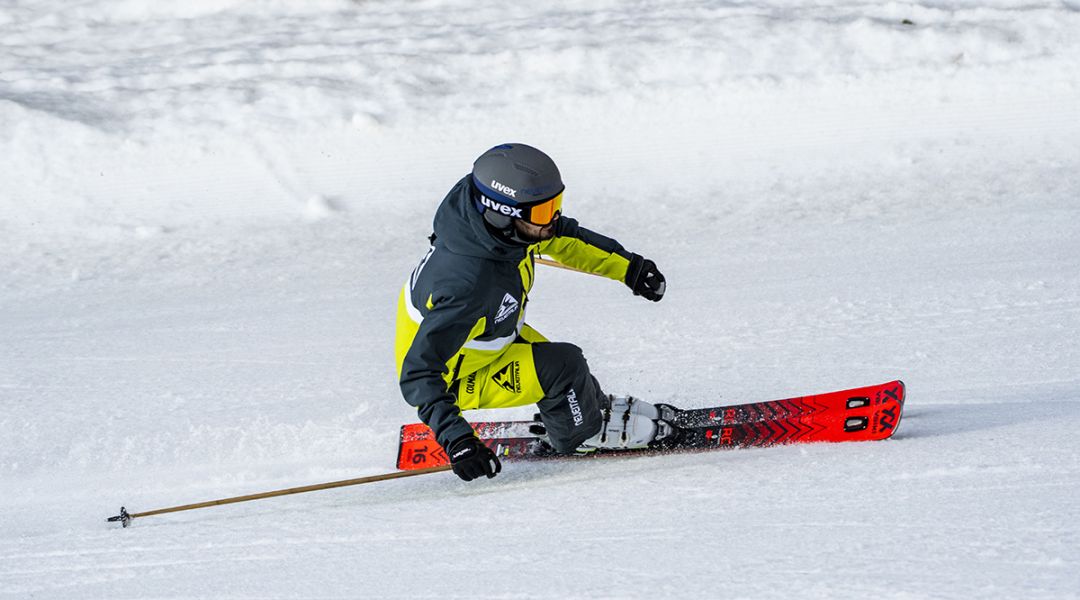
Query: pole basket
[{"x": 123, "y": 517}]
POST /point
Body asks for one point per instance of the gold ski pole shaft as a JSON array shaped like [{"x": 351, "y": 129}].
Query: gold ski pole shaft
[
  {"x": 559, "y": 265},
  {"x": 125, "y": 517}
]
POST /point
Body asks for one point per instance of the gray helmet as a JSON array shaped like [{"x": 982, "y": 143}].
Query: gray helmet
[{"x": 513, "y": 181}]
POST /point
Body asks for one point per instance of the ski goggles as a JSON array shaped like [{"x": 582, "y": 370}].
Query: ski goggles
[
  {"x": 541, "y": 213},
  {"x": 544, "y": 212}
]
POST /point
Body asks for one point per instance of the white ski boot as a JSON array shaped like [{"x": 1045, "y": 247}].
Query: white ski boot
[{"x": 628, "y": 424}]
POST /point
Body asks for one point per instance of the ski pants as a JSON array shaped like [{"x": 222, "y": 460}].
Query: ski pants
[{"x": 552, "y": 375}]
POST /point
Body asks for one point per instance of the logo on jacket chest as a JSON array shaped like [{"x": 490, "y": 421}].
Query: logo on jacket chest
[{"x": 508, "y": 307}]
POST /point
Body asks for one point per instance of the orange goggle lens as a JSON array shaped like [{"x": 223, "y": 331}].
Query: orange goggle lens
[{"x": 544, "y": 213}]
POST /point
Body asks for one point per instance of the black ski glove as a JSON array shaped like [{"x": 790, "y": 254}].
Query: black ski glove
[
  {"x": 645, "y": 279},
  {"x": 471, "y": 458}
]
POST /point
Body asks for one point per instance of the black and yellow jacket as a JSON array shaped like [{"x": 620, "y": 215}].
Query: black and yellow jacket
[{"x": 465, "y": 302}]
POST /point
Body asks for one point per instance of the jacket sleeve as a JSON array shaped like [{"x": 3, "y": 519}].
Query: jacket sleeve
[
  {"x": 434, "y": 350},
  {"x": 580, "y": 248}
]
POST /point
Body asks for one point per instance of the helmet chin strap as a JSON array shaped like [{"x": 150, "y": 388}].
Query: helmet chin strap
[
  {"x": 502, "y": 227},
  {"x": 516, "y": 236}
]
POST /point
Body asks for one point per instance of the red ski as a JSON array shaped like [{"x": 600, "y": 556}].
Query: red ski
[{"x": 855, "y": 415}]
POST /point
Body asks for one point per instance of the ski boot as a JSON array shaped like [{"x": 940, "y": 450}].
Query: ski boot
[{"x": 631, "y": 424}]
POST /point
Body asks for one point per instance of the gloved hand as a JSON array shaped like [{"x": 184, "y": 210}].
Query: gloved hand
[
  {"x": 471, "y": 458},
  {"x": 645, "y": 279}
]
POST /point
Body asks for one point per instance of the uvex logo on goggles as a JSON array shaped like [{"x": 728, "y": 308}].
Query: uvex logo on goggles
[
  {"x": 537, "y": 214},
  {"x": 509, "y": 211}
]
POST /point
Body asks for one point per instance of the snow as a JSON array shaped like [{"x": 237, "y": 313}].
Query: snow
[{"x": 208, "y": 209}]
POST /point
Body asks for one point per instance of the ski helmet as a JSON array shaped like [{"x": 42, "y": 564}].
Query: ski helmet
[{"x": 516, "y": 181}]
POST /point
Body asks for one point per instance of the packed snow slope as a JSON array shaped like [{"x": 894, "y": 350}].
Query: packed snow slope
[{"x": 207, "y": 209}]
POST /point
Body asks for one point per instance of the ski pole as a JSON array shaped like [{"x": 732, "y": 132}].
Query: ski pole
[
  {"x": 559, "y": 265},
  {"x": 125, "y": 517}
]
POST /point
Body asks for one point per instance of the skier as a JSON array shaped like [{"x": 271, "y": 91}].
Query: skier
[{"x": 462, "y": 342}]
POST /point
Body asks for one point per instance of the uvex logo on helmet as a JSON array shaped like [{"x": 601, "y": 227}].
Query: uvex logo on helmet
[
  {"x": 503, "y": 189},
  {"x": 509, "y": 211}
]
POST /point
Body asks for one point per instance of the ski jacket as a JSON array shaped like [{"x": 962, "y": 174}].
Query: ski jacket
[{"x": 465, "y": 302}]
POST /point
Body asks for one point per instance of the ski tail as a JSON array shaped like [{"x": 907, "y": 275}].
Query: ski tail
[{"x": 418, "y": 449}]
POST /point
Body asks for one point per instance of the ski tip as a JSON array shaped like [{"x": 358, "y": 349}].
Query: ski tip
[
  {"x": 895, "y": 389},
  {"x": 901, "y": 392},
  {"x": 892, "y": 412},
  {"x": 900, "y": 400}
]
